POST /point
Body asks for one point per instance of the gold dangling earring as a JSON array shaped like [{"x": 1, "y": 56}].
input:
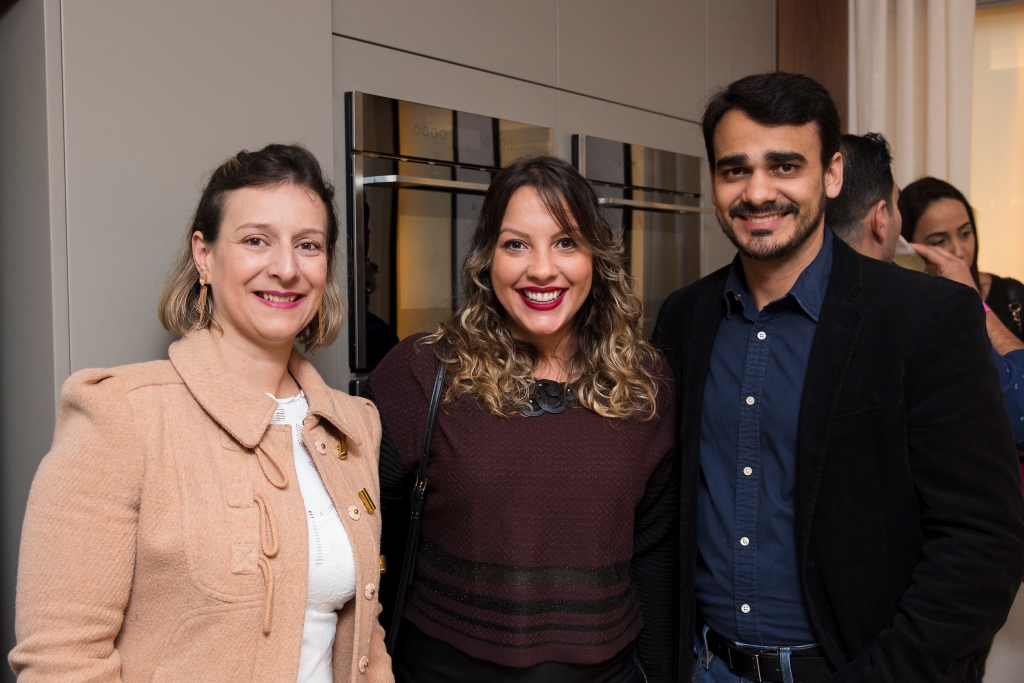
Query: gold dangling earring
[
  {"x": 201, "y": 305},
  {"x": 320, "y": 324}
]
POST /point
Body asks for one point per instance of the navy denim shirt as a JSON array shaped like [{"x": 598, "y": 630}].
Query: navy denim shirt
[{"x": 747, "y": 581}]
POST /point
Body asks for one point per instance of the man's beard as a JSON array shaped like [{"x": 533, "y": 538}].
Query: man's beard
[{"x": 759, "y": 248}]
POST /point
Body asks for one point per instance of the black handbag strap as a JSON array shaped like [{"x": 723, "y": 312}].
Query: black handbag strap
[{"x": 419, "y": 495}]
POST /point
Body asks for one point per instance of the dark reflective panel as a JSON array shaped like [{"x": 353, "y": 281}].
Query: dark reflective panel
[{"x": 645, "y": 193}]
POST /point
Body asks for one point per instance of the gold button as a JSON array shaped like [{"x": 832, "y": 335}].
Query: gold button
[{"x": 367, "y": 501}]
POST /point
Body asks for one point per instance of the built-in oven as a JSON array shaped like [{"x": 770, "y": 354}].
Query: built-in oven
[
  {"x": 651, "y": 197},
  {"x": 416, "y": 178}
]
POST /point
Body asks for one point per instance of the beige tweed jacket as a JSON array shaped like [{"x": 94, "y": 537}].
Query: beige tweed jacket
[{"x": 165, "y": 537}]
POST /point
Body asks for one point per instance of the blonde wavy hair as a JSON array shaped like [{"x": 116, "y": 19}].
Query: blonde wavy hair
[
  {"x": 275, "y": 164},
  {"x": 611, "y": 365}
]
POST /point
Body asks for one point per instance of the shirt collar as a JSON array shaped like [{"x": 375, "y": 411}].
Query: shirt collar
[{"x": 808, "y": 290}]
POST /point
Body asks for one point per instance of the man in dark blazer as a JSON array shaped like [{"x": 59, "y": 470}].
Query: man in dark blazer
[{"x": 851, "y": 501}]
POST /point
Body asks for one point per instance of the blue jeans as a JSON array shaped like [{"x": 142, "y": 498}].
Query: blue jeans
[{"x": 707, "y": 668}]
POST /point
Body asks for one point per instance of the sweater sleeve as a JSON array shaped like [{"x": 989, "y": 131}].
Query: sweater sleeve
[
  {"x": 655, "y": 565},
  {"x": 77, "y": 553},
  {"x": 395, "y": 483}
]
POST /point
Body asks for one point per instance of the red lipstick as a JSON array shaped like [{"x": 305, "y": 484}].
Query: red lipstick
[{"x": 546, "y": 305}]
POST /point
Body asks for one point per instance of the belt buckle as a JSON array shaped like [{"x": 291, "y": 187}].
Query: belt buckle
[{"x": 746, "y": 669}]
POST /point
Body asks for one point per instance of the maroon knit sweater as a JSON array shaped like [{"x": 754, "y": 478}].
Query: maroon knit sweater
[{"x": 546, "y": 538}]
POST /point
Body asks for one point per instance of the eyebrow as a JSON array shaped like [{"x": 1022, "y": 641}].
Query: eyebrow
[
  {"x": 732, "y": 160},
  {"x": 942, "y": 233},
  {"x": 518, "y": 233},
  {"x": 513, "y": 231},
  {"x": 268, "y": 226},
  {"x": 774, "y": 156},
  {"x": 784, "y": 157}
]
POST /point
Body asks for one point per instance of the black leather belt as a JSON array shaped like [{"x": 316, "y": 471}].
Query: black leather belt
[{"x": 809, "y": 666}]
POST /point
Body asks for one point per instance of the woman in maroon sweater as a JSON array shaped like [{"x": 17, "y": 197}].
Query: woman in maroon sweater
[{"x": 548, "y": 541}]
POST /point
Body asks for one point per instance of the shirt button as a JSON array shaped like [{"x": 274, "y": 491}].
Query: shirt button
[
  {"x": 762, "y": 336},
  {"x": 750, "y": 400},
  {"x": 748, "y": 471},
  {"x": 745, "y": 608},
  {"x": 744, "y": 541}
]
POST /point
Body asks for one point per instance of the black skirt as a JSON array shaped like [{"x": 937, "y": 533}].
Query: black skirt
[{"x": 419, "y": 658}]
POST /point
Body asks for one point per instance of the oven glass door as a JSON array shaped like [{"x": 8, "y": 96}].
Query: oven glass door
[
  {"x": 663, "y": 248},
  {"x": 416, "y": 240}
]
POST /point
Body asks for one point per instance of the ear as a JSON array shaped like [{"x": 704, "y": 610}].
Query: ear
[
  {"x": 879, "y": 221},
  {"x": 201, "y": 253},
  {"x": 834, "y": 176}
]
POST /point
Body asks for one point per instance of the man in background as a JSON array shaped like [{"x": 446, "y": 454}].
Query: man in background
[{"x": 864, "y": 214}]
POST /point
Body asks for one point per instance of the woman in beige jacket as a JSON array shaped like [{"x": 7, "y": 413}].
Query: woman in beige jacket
[{"x": 188, "y": 525}]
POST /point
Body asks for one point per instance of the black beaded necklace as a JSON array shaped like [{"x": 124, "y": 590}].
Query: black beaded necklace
[{"x": 547, "y": 396}]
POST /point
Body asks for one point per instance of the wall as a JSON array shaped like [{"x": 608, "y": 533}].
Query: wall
[
  {"x": 27, "y": 326},
  {"x": 112, "y": 112},
  {"x": 814, "y": 41},
  {"x": 143, "y": 99}
]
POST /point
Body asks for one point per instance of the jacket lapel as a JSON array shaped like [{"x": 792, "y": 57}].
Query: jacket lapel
[
  {"x": 834, "y": 341},
  {"x": 237, "y": 406}
]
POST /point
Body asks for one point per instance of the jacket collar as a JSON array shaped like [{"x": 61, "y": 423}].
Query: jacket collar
[{"x": 236, "y": 405}]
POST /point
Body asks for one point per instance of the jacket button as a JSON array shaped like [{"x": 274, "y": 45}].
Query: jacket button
[
  {"x": 370, "y": 592},
  {"x": 354, "y": 513},
  {"x": 322, "y": 447},
  {"x": 363, "y": 663}
]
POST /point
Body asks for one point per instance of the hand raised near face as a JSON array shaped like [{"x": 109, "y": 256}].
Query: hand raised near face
[{"x": 945, "y": 264}]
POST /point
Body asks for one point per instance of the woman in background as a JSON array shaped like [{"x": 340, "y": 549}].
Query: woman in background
[
  {"x": 549, "y": 535},
  {"x": 209, "y": 518},
  {"x": 938, "y": 215}
]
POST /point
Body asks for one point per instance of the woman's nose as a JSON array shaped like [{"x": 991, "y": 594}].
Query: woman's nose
[
  {"x": 282, "y": 262},
  {"x": 542, "y": 266}
]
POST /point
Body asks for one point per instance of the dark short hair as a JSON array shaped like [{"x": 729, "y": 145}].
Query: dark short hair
[
  {"x": 776, "y": 98},
  {"x": 867, "y": 179},
  {"x": 915, "y": 199},
  {"x": 275, "y": 164}
]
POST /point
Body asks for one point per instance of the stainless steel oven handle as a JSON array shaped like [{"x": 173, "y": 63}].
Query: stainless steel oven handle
[
  {"x": 649, "y": 206},
  {"x": 410, "y": 181}
]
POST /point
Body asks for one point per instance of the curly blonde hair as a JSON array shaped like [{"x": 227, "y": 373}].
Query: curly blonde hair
[{"x": 611, "y": 364}]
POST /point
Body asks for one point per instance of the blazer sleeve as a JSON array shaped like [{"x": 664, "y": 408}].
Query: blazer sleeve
[
  {"x": 77, "y": 553},
  {"x": 655, "y": 568},
  {"x": 965, "y": 474}
]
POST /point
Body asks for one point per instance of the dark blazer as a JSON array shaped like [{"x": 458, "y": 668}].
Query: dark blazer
[{"x": 910, "y": 522}]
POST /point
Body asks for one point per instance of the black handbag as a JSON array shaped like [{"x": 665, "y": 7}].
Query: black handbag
[{"x": 418, "y": 497}]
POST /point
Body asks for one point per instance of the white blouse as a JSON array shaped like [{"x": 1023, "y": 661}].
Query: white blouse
[{"x": 332, "y": 568}]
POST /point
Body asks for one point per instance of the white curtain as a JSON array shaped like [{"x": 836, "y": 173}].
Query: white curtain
[{"x": 910, "y": 79}]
